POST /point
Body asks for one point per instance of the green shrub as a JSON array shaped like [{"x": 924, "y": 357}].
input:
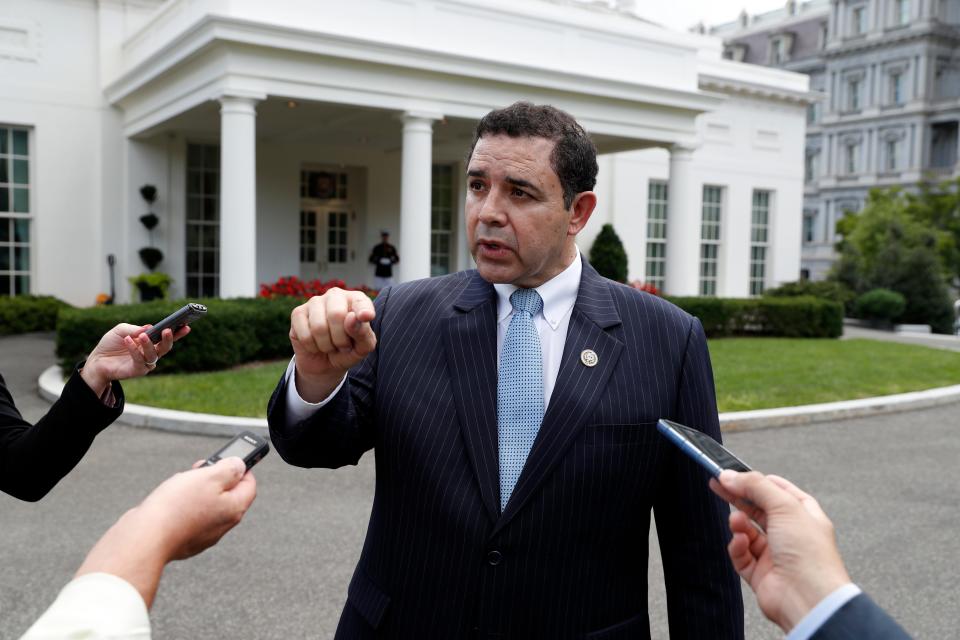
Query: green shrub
[
  {"x": 23, "y": 314},
  {"x": 233, "y": 332},
  {"x": 799, "y": 317},
  {"x": 826, "y": 289},
  {"x": 608, "y": 256},
  {"x": 880, "y": 304}
]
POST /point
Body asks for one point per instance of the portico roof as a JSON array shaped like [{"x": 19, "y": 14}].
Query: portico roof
[{"x": 630, "y": 83}]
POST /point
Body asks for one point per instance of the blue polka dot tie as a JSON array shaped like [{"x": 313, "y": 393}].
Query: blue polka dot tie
[{"x": 519, "y": 390}]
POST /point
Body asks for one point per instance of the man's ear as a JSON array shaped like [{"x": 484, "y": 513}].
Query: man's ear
[{"x": 581, "y": 209}]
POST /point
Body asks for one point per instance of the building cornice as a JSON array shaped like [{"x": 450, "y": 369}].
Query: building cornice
[
  {"x": 716, "y": 83},
  {"x": 214, "y": 28},
  {"x": 890, "y": 37}
]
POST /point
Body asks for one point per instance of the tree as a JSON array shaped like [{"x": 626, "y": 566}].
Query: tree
[
  {"x": 938, "y": 205},
  {"x": 885, "y": 246},
  {"x": 608, "y": 256}
]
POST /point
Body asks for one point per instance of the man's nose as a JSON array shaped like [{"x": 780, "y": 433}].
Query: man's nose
[{"x": 492, "y": 210}]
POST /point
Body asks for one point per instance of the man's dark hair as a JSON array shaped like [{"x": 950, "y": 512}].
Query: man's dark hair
[{"x": 574, "y": 157}]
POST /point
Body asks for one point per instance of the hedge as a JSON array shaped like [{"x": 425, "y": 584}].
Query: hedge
[
  {"x": 233, "y": 332},
  {"x": 799, "y": 317},
  {"x": 23, "y": 314},
  {"x": 244, "y": 330}
]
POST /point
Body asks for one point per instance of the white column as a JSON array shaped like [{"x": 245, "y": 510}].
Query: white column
[
  {"x": 683, "y": 226},
  {"x": 415, "y": 187},
  {"x": 238, "y": 197}
]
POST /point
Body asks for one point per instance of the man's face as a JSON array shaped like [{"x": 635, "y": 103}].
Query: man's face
[{"x": 518, "y": 229}]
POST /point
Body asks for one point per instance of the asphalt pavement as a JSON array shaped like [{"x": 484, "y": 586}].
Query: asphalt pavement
[{"x": 889, "y": 483}]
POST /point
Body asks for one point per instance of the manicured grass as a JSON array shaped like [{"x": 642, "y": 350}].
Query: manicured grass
[
  {"x": 243, "y": 391},
  {"x": 751, "y": 373},
  {"x": 761, "y": 373}
]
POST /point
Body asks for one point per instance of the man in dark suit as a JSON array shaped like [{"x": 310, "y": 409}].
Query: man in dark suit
[
  {"x": 512, "y": 410},
  {"x": 794, "y": 566}
]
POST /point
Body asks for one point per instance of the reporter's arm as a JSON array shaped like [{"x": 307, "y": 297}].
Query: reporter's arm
[
  {"x": 33, "y": 459},
  {"x": 118, "y": 580}
]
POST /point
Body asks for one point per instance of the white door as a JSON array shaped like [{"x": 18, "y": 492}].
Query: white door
[{"x": 326, "y": 250}]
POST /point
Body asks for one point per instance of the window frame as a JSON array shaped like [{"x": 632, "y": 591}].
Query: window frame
[
  {"x": 711, "y": 237},
  {"x": 19, "y": 280},
  {"x": 658, "y": 216}
]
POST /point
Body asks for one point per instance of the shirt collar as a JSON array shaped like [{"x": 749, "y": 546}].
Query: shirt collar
[{"x": 559, "y": 294}]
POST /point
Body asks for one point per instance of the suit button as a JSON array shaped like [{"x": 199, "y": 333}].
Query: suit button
[{"x": 494, "y": 558}]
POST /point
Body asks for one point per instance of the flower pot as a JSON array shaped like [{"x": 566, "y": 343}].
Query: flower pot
[{"x": 149, "y": 292}]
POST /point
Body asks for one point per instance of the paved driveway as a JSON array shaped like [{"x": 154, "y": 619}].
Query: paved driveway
[{"x": 890, "y": 484}]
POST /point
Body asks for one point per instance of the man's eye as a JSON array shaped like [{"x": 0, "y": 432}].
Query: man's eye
[
  {"x": 476, "y": 185},
  {"x": 518, "y": 193}
]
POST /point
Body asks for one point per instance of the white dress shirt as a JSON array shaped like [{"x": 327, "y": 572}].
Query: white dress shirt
[
  {"x": 559, "y": 295},
  {"x": 822, "y": 612},
  {"x": 95, "y": 606}
]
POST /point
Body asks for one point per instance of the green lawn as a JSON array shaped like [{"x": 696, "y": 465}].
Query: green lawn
[
  {"x": 751, "y": 373},
  {"x": 760, "y": 373}
]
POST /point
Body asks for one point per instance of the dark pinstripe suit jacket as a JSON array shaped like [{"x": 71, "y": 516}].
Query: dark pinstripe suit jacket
[
  {"x": 860, "y": 618},
  {"x": 568, "y": 556}
]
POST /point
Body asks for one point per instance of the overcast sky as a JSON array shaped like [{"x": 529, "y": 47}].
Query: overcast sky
[{"x": 682, "y": 14}]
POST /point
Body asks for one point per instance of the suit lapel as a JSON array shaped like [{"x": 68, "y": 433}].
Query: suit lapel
[
  {"x": 578, "y": 387},
  {"x": 470, "y": 339}
]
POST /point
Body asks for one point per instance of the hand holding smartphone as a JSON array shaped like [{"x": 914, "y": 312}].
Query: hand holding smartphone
[
  {"x": 177, "y": 320},
  {"x": 247, "y": 446}
]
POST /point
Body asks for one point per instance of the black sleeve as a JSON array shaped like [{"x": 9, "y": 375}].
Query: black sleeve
[
  {"x": 33, "y": 459},
  {"x": 703, "y": 591}
]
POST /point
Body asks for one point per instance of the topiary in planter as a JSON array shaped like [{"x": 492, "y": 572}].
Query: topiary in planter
[{"x": 608, "y": 256}]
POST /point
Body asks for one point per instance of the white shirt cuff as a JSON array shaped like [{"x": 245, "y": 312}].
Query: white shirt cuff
[
  {"x": 95, "y": 606},
  {"x": 822, "y": 612},
  {"x": 299, "y": 409}
]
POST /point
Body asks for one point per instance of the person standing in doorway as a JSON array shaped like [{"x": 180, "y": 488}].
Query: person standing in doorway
[{"x": 384, "y": 256}]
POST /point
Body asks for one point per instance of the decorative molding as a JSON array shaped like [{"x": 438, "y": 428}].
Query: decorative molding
[{"x": 19, "y": 39}]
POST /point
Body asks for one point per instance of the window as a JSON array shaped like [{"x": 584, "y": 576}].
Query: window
[
  {"x": 943, "y": 145},
  {"x": 710, "y": 239},
  {"x": 858, "y": 21},
  {"x": 657, "y": 202},
  {"x": 759, "y": 241},
  {"x": 441, "y": 220},
  {"x": 813, "y": 112},
  {"x": 892, "y": 149},
  {"x": 337, "y": 224},
  {"x": 308, "y": 236},
  {"x": 853, "y": 94},
  {"x": 778, "y": 53},
  {"x": 808, "y": 221},
  {"x": 901, "y": 12},
  {"x": 203, "y": 220},
  {"x": 851, "y": 151},
  {"x": 14, "y": 211},
  {"x": 896, "y": 88},
  {"x": 810, "y": 167}
]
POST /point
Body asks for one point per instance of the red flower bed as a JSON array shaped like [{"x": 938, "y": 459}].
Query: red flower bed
[
  {"x": 294, "y": 287},
  {"x": 642, "y": 286}
]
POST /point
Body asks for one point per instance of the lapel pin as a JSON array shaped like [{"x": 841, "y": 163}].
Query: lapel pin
[{"x": 589, "y": 357}]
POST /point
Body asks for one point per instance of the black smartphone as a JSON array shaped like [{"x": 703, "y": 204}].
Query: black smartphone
[
  {"x": 177, "y": 320},
  {"x": 707, "y": 452},
  {"x": 247, "y": 445}
]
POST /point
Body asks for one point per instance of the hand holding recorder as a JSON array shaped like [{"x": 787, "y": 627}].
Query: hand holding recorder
[
  {"x": 330, "y": 334},
  {"x": 796, "y": 563}
]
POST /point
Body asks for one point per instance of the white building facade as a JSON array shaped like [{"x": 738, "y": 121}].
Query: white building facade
[{"x": 282, "y": 137}]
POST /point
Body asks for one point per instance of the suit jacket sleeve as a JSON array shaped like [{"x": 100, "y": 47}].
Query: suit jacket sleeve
[
  {"x": 342, "y": 430},
  {"x": 33, "y": 459},
  {"x": 703, "y": 592},
  {"x": 860, "y": 618}
]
